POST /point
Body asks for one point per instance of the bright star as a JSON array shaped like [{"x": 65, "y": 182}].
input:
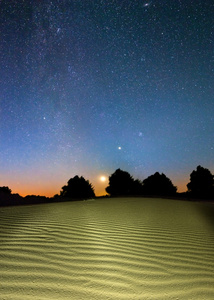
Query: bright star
[{"x": 119, "y": 148}]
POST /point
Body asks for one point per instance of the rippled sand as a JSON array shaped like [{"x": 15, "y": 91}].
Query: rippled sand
[{"x": 108, "y": 249}]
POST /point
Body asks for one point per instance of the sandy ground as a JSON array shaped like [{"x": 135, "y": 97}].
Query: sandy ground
[{"x": 125, "y": 248}]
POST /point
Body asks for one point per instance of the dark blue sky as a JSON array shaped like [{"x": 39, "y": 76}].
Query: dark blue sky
[{"x": 91, "y": 86}]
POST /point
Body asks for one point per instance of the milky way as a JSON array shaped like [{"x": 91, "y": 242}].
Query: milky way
[{"x": 91, "y": 86}]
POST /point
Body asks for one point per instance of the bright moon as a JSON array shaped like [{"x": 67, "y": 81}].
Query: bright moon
[{"x": 103, "y": 178}]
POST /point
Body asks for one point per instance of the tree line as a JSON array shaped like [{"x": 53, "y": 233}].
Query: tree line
[{"x": 121, "y": 183}]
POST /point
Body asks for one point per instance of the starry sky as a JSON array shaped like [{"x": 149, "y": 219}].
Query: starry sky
[{"x": 87, "y": 87}]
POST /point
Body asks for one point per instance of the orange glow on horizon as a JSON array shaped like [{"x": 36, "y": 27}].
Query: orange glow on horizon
[
  {"x": 52, "y": 189},
  {"x": 46, "y": 185}
]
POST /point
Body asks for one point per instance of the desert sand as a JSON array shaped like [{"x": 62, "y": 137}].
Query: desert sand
[{"x": 125, "y": 248}]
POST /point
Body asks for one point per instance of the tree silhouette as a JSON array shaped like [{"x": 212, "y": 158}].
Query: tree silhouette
[
  {"x": 78, "y": 188},
  {"x": 201, "y": 183},
  {"x": 158, "y": 184},
  {"x": 122, "y": 183},
  {"x": 7, "y": 198},
  {"x": 5, "y": 190}
]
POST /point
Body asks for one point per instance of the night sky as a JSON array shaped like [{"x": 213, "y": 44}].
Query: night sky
[{"x": 87, "y": 87}]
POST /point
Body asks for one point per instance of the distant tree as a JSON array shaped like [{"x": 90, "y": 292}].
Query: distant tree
[
  {"x": 78, "y": 188},
  {"x": 137, "y": 188},
  {"x": 201, "y": 183},
  {"x": 36, "y": 199},
  {"x": 5, "y": 190},
  {"x": 158, "y": 184},
  {"x": 122, "y": 183},
  {"x": 7, "y": 198}
]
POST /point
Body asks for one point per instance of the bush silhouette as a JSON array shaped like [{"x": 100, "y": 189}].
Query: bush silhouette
[
  {"x": 158, "y": 184},
  {"x": 78, "y": 188},
  {"x": 122, "y": 183},
  {"x": 201, "y": 183}
]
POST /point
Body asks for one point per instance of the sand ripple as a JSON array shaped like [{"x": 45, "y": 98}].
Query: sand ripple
[{"x": 107, "y": 249}]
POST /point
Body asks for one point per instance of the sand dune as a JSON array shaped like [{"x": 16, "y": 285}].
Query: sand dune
[{"x": 108, "y": 249}]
